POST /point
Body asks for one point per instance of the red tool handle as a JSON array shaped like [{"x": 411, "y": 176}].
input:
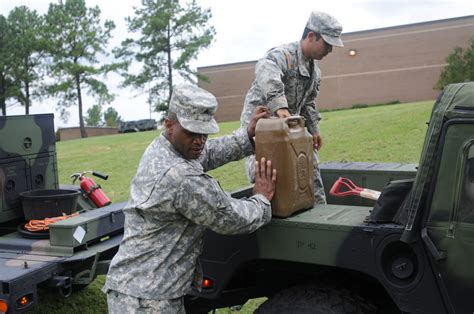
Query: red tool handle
[{"x": 344, "y": 187}]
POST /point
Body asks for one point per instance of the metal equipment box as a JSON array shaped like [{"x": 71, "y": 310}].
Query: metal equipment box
[
  {"x": 27, "y": 159},
  {"x": 87, "y": 227}
]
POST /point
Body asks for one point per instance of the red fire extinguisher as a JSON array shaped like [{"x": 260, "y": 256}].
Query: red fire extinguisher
[{"x": 92, "y": 189}]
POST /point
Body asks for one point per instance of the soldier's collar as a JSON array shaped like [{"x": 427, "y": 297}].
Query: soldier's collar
[
  {"x": 166, "y": 143},
  {"x": 303, "y": 65}
]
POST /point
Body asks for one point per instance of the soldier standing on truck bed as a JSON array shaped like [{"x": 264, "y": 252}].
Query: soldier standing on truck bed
[
  {"x": 287, "y": 79},
  {"x": 173, "y": 201}
]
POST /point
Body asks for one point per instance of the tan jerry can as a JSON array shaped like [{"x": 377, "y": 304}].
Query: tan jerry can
[{"x": 289, "y": 146}]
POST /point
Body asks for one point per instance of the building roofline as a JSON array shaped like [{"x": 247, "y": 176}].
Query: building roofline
[
  {"x": 226, "y": 64},
  {"x": 355, "y": 33},
  {"x": 466, "y": 17}
]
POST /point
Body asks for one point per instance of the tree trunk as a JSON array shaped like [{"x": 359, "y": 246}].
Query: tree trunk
[
  {"x": 27, "y": 93},
  {"x": 170, "y": 65},
  {"x": 79, "y": 99},
  {"x": 3, "y": 104},
  {"x": 27, "y": 87}
]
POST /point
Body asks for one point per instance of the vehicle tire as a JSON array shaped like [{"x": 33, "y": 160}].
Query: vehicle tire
[{"x": 316, "y": 299}]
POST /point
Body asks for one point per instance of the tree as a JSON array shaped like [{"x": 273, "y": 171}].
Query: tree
[
  {"x": 460, "y": 66},
  {"x": 28, "y": 49},
  {"x": 168, "y": 37},
  {"x": 111, "y": 117},
  {"x": 94, "y": 116},
  {"x": 8, "y": 87},
  {"x": 78, "y": 39}
]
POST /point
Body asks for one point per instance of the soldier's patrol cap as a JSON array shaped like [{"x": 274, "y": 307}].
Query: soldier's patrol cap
[
  {"x": 195, "y": 108},
  {"x": 326, "y": 25}
]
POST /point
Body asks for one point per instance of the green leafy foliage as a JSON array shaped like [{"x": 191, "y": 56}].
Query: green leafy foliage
[
  {"x": 94, "y": 116},
  {"x": 460, "y": 66},
  {"x": 9, "y": 88},
  {"x": 27, "y": 50},
  {"x": 167, "y": 37},
  {"x": 78, "y": 39},
  {"x": 111, "y": 117}
]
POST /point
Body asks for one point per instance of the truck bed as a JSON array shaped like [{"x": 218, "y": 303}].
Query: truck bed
[
  {"x": 325, "y": 216},
  {"x": 316, "y": 234}
]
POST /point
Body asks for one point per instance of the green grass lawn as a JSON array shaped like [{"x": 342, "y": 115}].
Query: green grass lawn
[{"x": 392, "y": 133}]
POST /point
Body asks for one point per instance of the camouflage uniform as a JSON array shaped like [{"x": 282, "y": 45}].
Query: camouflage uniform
[
  {"x": 172, "y": 202},
  {"x": 122, "y": 303},
  {"x": 284, "y": 78}
]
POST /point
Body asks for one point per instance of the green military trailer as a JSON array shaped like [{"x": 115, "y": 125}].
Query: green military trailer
[
  {"x": 410, "y": 251},
  {"x": 74, "y": 251}
]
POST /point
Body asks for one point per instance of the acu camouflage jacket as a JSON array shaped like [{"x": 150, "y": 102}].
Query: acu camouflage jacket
[
  {"x": 172, "y": 202},
  {"x": 284, "y": 79}
]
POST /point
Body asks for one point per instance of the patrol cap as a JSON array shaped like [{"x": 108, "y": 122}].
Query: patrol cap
[
  {"x": 195, "y": 108},
  {"x": 326, "y": 25}
]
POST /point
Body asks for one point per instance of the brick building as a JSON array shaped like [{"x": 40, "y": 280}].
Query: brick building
[
  {"x": 72, "y": 133},
  {"x": 375, "y": 66}
]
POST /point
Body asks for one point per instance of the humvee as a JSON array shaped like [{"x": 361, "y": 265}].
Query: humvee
[{"x": 411, "y": 251}]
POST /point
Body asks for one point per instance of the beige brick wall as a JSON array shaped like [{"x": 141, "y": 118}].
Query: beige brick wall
[{"x": 73, "y": 133}]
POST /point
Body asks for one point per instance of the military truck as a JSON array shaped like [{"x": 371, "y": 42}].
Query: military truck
[
  {"x": 411, "y": 251},
  {"x": 137, "y": 125},
  {"x": 74, "y": 251}
]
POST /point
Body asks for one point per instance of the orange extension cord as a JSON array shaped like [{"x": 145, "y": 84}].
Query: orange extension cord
[{"x": 43, "y": 225}]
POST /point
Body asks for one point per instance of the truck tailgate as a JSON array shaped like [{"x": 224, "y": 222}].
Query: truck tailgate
[{"x": 316, "y": 235}]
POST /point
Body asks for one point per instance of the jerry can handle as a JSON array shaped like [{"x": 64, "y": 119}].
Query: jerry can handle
[{"x": 295, "y": 122}]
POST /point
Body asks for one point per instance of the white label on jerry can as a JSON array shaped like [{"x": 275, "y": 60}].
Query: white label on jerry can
[{"x": 79, "y": 234}]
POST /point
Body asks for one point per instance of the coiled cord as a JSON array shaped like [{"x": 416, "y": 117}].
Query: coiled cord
[{"x": 43, "y": 225}]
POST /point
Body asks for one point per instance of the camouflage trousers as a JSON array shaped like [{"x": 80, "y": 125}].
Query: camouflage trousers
[
  {"x": 123, "y": 303},
  {"x": 319, "y": 194}
]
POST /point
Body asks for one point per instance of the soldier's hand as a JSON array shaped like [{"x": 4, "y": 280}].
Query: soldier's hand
[
  {"x": 317, "y": 141},
  {"x": 259, "y": 113},
  {"x": 265, "y": 178},
  {"x": 283, "y": 113}
]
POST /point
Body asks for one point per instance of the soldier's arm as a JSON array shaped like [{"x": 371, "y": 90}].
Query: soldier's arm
[
  {"x": 312, "y": 123},
  {"x": 310, "y": 110},
  {"x": 201, "y": 200},
  {"x": 227, "y": 148},
  {"x": 269, "y": 72},
  {"x": 233, "y": 147},
  {"x": 312, "y": 116}
]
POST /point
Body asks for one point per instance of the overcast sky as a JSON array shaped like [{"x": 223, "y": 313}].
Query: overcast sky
[{"x": 246, "y": 29}]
